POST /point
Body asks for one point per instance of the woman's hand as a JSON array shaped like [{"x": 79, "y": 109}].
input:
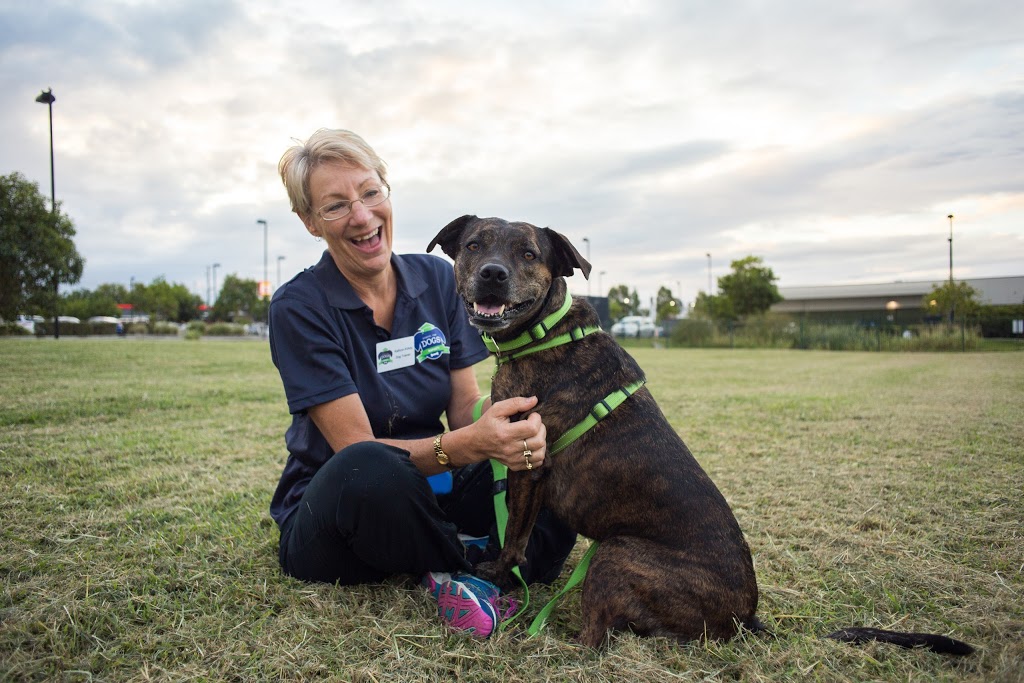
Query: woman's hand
[{"x": 519, "y": 445}]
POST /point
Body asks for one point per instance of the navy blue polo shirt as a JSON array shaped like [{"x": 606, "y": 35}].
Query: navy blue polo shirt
[{"x": 326, "y": 345}]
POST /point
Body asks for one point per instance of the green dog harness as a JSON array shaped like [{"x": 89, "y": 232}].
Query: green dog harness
[{"x": 532, "y": 341}]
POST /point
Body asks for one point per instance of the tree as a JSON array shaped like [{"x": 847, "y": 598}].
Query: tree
[
  {"x": 160, "y": 299},
  {"x": 750, "y": 287},
  {"x": 622, "y": 303},
  {"x": 708, "y": 307},
  {"x": 238, "y": 297},
  {"x": 37, "y": 253},
  {"x": 83, "y": 303},
  {"x": 952, "y": 299},
  {"x": 666, "y": 305}
]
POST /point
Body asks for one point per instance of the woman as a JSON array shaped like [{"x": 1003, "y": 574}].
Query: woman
[{"x": 372, "y": 348}]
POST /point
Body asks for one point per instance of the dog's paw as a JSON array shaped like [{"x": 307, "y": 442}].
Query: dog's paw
[{"x": 495, "y": 572}]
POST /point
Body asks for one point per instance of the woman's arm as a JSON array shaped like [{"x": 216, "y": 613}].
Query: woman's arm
[
  {"x": 465, "y": 394},
  {"x": 344, "y": 422}
]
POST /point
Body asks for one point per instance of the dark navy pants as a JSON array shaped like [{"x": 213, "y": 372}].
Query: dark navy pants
[{"x": 369, "y": 513}]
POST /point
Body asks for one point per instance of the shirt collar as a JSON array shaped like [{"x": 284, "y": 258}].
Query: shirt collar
[{"x": 340, "y": 293}]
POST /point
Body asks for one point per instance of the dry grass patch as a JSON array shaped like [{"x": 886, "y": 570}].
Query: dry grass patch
[{"x": 875, "y": 489}]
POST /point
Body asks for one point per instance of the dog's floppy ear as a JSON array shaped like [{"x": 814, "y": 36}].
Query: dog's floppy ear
[
  {"x": 451, "y": 235},
  {"x": 565, "y": 256}
]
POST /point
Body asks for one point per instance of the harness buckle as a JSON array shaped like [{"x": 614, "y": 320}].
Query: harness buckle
[{"x": 601, "y": 410}]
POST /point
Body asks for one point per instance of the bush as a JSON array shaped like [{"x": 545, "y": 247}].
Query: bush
[
  {"x": 856, "y": 338},
  {"x": 136, "y": 328},
  {"x": 165, "y": 329},
  {"x": 13, "y": 330},
  {"x": 45, "y": 329},
  {"x": 692, "y": 333},
  {"x": 225, "y": 330},
  {"x": 100, "y": 328},
  {"x": 192, "y": 334},
  {"x": 764, "y": 332}
]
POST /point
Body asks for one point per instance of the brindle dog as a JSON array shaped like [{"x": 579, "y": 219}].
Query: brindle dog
[{"x": 672, "y": 560}]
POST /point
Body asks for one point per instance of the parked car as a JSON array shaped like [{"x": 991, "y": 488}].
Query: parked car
[
  {"x": 634, "y": 326},
  {"x": 28, "y": 322}
]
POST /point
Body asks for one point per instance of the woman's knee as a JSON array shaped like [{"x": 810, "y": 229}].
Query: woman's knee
[{"x": 369, "y": 473}]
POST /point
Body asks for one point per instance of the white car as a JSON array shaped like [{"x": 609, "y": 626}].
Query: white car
[{"x": 633, "y": 326}]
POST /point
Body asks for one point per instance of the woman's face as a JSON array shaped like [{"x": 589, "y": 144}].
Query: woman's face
[{"x": 360, "y": 242}]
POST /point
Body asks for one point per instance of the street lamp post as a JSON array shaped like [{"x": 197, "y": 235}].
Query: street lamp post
[
  {"x": 215, "y": 266},
  {"x": 600, "y": 278},
  {"x": 952, "y": 300},
  {"x": 709, "y": 273},
  {"x": 264, "y": 223},
  {"x": 279, "y": 259},
  {"x": 950, "y": 217},
  {"x": 266, "y": 278},
  {"x": 48, "y": 99}
]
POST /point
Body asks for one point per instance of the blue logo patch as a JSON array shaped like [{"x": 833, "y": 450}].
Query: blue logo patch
[{"x": 430, "y": 343}]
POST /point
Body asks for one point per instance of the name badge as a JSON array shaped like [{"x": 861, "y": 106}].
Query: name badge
[{"x": 396, "y": 353}]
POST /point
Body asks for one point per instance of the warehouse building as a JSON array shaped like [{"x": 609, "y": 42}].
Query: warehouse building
[{"x": 899, "y": 302}]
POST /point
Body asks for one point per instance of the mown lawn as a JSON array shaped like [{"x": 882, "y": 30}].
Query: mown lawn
[{"x": 875, "y": 489}]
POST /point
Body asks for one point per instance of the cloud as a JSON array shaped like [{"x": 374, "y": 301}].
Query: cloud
[{"x": 832, "y": 140}]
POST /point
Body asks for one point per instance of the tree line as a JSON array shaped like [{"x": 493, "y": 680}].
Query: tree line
[
  {"x": 748, "y": 290},
  {"x": 238, "y": 301},
  {"x": 38, "y": 255}
]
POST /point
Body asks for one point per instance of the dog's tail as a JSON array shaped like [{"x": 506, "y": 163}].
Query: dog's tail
[{"x": 932, "y": 641}]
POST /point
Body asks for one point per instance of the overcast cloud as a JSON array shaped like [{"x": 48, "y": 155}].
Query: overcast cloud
[{"x": 832, "y": 140}]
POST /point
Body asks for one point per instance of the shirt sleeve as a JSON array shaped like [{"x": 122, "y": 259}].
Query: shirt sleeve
[{"x": 310, "y": 352}]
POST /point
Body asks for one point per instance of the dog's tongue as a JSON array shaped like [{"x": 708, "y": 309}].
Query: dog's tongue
[{"x": 488, "y": 309}]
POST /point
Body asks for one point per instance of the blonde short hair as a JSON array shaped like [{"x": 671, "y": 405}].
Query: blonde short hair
[{"x": 325, "y": 145}]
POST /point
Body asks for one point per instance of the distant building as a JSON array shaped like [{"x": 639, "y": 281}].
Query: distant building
[{"x": 892, "y": 301}]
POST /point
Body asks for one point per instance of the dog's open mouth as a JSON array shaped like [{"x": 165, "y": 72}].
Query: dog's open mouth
[{"x": 492, "y": 312}]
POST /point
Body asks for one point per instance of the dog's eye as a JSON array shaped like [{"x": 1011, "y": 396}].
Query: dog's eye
[
  {"x": 529, "y": 255},
  {"x": 473, "y": 246}
]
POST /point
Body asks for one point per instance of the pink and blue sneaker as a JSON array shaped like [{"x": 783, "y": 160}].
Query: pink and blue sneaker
[{"x": 470, "y": 604}]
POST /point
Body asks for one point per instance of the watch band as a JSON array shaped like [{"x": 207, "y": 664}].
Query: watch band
[{"x": 439, "y": 453}]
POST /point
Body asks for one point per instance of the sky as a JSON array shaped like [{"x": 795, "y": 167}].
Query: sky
[{"x": 831, "y": 140}]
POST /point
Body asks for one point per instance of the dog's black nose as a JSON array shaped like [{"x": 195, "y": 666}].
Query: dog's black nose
[{"x": 493, "y": 271}]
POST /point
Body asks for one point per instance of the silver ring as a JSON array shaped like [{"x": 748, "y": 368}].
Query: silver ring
[{"x": 526, "y": 454}]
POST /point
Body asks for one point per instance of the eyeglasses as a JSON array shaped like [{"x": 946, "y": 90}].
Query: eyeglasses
[{"x": 377, "y": 194}]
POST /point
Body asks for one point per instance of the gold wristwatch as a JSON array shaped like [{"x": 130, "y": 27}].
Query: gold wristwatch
[{"x": 439, "y": 453}]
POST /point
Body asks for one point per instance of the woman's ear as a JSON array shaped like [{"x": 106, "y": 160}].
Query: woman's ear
[{"x": 307, "y": 220}]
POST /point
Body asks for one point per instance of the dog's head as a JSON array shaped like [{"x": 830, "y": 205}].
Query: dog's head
[{"x": 504, "y": 270}]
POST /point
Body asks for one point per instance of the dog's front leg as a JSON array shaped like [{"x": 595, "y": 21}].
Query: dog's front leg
[{"x": 524, "y": 498}]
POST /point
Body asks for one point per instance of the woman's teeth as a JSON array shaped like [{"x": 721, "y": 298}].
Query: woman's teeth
[{"x": 366, "y": 237}]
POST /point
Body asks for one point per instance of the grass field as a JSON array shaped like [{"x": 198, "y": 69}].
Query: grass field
[{"x": 875, "y": 489}]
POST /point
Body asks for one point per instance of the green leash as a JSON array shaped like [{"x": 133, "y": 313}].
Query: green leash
[{"x": 600, "y": 411}]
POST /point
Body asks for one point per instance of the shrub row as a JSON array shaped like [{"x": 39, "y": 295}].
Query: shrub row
[
  {"x": 193, "y": 330},
  {"x": 783, "y": 333}
]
